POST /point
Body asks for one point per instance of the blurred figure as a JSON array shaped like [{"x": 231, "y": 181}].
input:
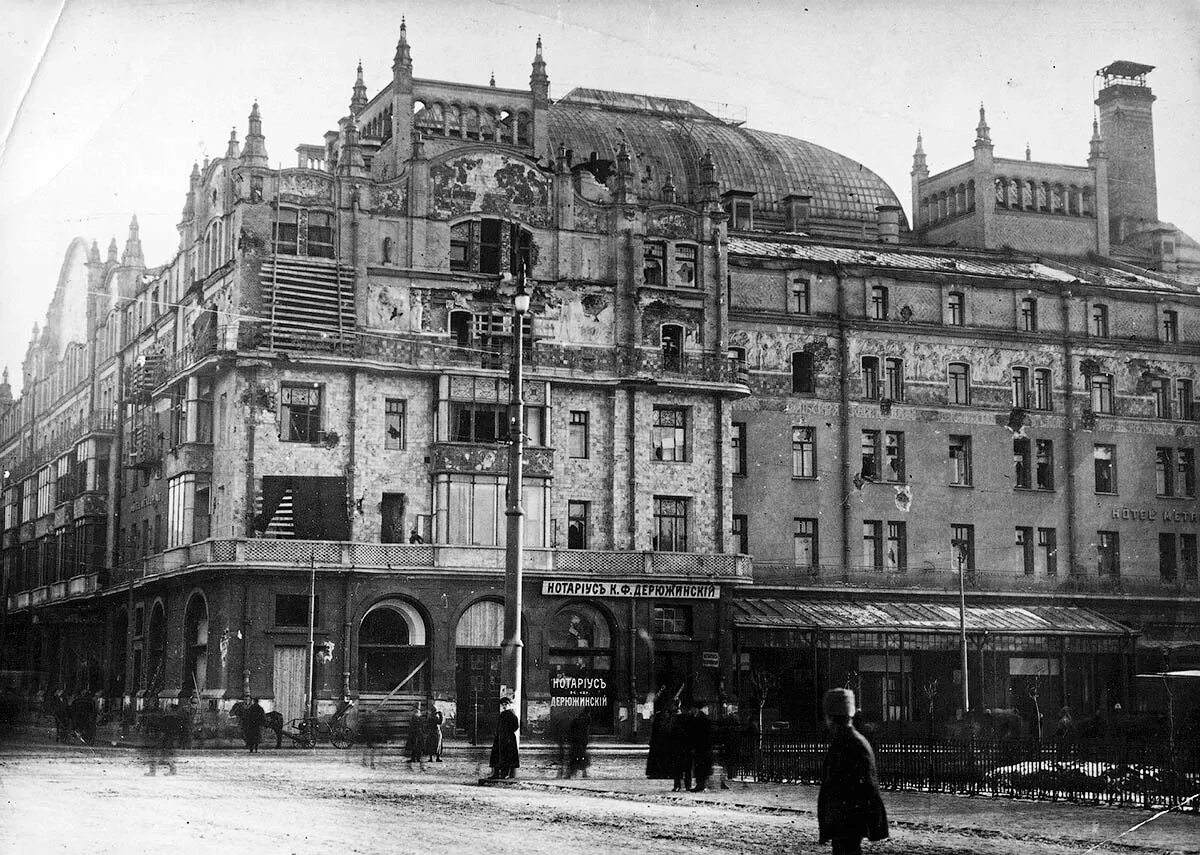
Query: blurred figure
[
  {"x": 664, "y": 743},
  {"x": 849, "y": 806},
  {"x": 170, "y": 726},
  {"x": 370, "y": 735},
  {"x": 417, "y": 730},
  {"x": 253, "y": 718},
  {"x": 60, "y": 710},
  {"x": 505, "y": 758},
  {"x": 578, "y": 736},
  {"x": 433, "y": 733},
  {"x": 83, "y": 718},
  {"x": 699, "y": 741},
  {"x": 682, "y": 748}
]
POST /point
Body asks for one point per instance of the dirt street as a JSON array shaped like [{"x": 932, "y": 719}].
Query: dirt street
[{"x": 296, "y": 802}]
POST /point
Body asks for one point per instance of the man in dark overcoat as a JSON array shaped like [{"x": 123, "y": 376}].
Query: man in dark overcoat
[
  {"x": 505, "y": 759},
  {"x": 253, "y": 720},
  {"x": 849, "y": 806}
]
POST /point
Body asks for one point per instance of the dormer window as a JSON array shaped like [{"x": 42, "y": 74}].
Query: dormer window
[{"x": 738, "y": 205}]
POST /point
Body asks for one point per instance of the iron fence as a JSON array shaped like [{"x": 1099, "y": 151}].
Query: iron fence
[{"x": 1125, "y": 774}]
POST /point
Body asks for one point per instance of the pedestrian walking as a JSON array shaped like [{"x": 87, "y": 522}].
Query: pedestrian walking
[
  {"x": 578, "y": 736},
  {"x": 170, "y": 727},
  {"x": 416, "y": 739},
  {"x": 661, "y": 759},
  {"x": 505, "y": 759},
  {"x": 699, "y": 741},
  {"x": 60, "y": 709},
  {"x": 370, "y": 735},
  {"x": 83, "y": 718},
  {"x": 433, "y": 733},
  {"x": 253, "y": 719},
  {"x": 849, "y": 806}
]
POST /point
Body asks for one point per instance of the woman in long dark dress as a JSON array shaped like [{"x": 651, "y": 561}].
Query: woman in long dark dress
[
  {"x": 505, "y": 758},
  {"x": 849, "y": 806}
]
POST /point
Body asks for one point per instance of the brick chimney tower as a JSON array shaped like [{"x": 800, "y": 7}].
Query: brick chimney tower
[{"x": 1127, "y": 128}]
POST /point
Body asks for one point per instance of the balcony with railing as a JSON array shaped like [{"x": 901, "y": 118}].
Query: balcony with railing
[
  {"x": 333, "y": 555},
  {"x": 61, "y": 591},
  {"x": 101, "y": 422},
  {"x": 837, "y": 577}
]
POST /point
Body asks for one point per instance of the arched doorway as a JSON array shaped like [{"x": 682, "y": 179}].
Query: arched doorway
[
  {"x": 393, "y": 652},
  {"x": 195, "y": 639},
  {"x": 477, "y": 668},
  {"x": 156, "y": 640},
  {"x": 580, "y": 644}
]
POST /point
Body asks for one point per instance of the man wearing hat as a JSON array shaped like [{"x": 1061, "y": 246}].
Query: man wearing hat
[
  {"x": 849, "y": 806},
  {"x": 505, "y": 758}
]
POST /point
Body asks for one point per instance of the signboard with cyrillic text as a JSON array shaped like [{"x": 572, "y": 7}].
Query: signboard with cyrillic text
[{"x": 657, "y": 590}]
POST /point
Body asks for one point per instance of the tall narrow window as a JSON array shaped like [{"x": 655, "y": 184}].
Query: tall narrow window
[
  {"x": 897, "y": 547},
  {"x": 320, "y": 234},
  {"x": 577, "y": 525},
  {"x": 1102, "y": 393},
  {"x": 1160, "y": 390},
  {"x": 394, "y": 417},
  {"x": 1025, "y": 544},
  {"x": 286, "y": 231},
  {"x": 803, "y": 382},
  {"x": 1104, "y": 457},
  {"x": 1187, "y": 556},
  {"x": 1166, "y": 556},
  {"x": 685, "y": 265},
  {"x": 672, "y": 347},
  {"x": 870, "y": 470},
  {"x": 1029, "y": 316},
  {"x": 1048, "y": 544},
  {"x": 1021, "y": 463},
  {"x": 960, "y": 383},
  {"x": 741, "y": 534},
  {"x": 1099, "y": 327},
  {"x": 1170, "y": 326},
  {"x": 870, "y": 377},
  {"x": 1043, "y": 473},
  {"x": 489, "y": 246},
  {"x": 873, "y": 544},
  {"x": 460, "y": 246},
  {"x": 1164, "y": 471},
  {"x": 878, "y": 308},
  {"x": 801, "y": 303},
  {"x": 669, "y": 434},
  {"x": 804, "y": 543},
  {"x": 1185, "y": 484},
  {"x": 893, "y": 456},
  {"x": 1042, "y": 389},
  {"x": 654, "y": 263},
  {"x": 737, "y": 439},
  {"x": 1020, "y": 387},
  {"x": 1108, "y": 553},
  {"x": 670, "y": 524},
  {"x": 1184, "y": 405},
  {"x": 962, "y": 547},
  {"x": 956, "y": 309},
  {"x": 960, "y": 460},
  {"x": 577, "y": 434},
  {"x": 893, "y": 375},
  {"x": 803, "y": 453}
]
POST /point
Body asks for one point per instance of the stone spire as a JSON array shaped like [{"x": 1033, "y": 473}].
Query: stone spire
[
  {"x": 189, "y": 204},
  {"x": 668, "y": 189},
  {"x": 561, "y": 164},
  {"x": 1028, "y": 151},
  {"x": 359, "y": 99},
  {"x": 708, "y": 177},
  {"x": 403, "y": 58},
  {"x": 920, "y": 169},
  {"x": 351, "y": 160},
  {"x": 112, "y": 251},
  {"x": 94, "y": 253},
  {"x": 539, "y": 83},
  {"x": 255, "y": 153},
  {"x": 983, "y": 134},
  {"x": 132, "y": 257},
  {"x": 233, "y": 151},
  {"x": 492, "y": 80},
  {"x": 625, "y": 193},
  {"x": 6, "y": 397}
]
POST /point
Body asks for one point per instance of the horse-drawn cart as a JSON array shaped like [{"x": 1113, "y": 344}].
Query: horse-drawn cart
[{"x": 307, "y": 731}]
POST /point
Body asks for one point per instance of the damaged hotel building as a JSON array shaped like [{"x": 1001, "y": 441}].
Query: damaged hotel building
[{"x": 769, "y": 422}]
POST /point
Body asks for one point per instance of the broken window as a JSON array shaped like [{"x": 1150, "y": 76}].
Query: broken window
[
  {"x": 893, "y": 456},
  {"x": 804, "y": 543},
  {"x": 490, "y": 246},
  {"x": 1021, "y": 463},
  {"x": 300, "y": 412},
  {"x": 685, "y": 265},
  {"x": 304, "y": 508},
  {"x": 1108, "y": 553},
  {"x": 960, "y": 460},
  {"x": 672, "y": 347},
  {"x": 394, "y": 423},
  {"x": 804, "y": 461},
  {"x": 1104, "y": 457},
  {"x": 960, "y": 383},
  {"x": 873, "y": 544},
  {"x": 870, "y": 455},
  {"x": 287, "y": 231},
  {"x": 654, "y": 261}
]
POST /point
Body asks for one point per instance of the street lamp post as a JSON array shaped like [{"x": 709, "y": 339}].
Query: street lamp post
[{"x": 514, "y": 553}]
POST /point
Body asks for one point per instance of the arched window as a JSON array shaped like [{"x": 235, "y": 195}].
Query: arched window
[
  {"x": 580, "y": 645},
  {"x": 971, "y": 195},
  {"x": 195, "y": 639},
  {"x": 393, "y": 650}
]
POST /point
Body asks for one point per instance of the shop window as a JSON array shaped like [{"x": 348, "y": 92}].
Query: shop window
[
  {"x": 805, "y": 548},
  {"x": 669, "y": 434},
  {"x": 1105, "y": 468},
  {"x": 804, "y": 459},
  {"x": 391, "y": 646},
  {"x": 300, "y": 412},
  {"x": 395, "y": 421},
  {"x": 670, "y": 524},
  {"x": 291, "y": 610},
  {"x": 673, "y": 620}
]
